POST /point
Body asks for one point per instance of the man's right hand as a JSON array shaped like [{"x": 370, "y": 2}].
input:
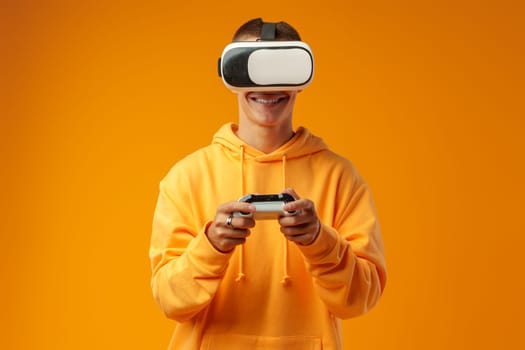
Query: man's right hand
[{"x": 227, "y": 231}]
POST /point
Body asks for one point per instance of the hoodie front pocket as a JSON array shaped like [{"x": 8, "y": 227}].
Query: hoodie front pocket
[{"x": 238, "y": 341}]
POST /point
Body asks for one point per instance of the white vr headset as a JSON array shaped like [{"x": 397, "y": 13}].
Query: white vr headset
[{"x": 267, "y": 64}]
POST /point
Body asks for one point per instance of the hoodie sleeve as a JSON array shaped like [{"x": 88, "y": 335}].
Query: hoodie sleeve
[
  {"x": 347, "y": 261},
  {"x": 186, "y": 268}
]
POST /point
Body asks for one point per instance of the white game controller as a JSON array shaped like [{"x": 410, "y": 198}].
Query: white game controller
[{"x": 267, "y": 206}]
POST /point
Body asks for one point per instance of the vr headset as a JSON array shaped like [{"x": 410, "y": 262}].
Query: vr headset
[{"x": 267, "y": 64}]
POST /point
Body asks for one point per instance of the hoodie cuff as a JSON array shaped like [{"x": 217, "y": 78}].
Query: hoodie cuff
[
  {"x": 204, "y": 254},
  {"x": 324, "y": 246}
]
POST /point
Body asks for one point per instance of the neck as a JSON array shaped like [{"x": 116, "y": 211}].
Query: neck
[{"x": 265, "y": 138}]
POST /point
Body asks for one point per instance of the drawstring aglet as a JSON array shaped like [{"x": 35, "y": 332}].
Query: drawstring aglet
[
  {"x": 240, "y": 277},
  {"x": 286, "y": 280}
]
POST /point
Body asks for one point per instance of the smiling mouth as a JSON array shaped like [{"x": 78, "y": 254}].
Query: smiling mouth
[{"x": 268, "y": 100}]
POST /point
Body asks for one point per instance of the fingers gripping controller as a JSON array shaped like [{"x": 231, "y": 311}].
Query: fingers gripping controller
[{"x": 268, "y": 206}]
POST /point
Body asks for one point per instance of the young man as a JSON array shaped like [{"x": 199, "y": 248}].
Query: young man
[{"x": 235, "y": 282}]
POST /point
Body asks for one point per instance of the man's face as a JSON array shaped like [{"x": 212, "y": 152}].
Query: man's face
[
  {"x": 266, "y": 108},
  {"x": 270, "y": 108}
]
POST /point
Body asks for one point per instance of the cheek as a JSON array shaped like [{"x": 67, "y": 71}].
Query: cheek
[
  {"x": 240, "y": 98},
  {"x": 241, "y": 101},
  {"x": 244, "y": 108},
  {"x": 291, "y": 101}
]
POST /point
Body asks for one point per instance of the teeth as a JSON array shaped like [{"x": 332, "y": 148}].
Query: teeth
[{"x": 260, "y": 100}]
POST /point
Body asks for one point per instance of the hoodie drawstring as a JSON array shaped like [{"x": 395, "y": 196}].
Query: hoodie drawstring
[
  {"x": 286, "y": 276},
  {"x": 241, "y": 276},
  {"x": 242, "y": 171}
]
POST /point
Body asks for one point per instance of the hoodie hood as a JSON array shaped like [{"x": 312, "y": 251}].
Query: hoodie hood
[{"x": 303, "y": 143}]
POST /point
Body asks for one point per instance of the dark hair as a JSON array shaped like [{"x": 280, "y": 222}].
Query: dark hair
[{"x": 252, "y": 28}]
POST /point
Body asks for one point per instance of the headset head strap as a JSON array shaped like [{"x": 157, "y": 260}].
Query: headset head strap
[{"x": 268, "y": 31}]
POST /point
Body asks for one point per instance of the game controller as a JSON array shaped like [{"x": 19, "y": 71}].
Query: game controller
[{"x": 267, "y": 206}]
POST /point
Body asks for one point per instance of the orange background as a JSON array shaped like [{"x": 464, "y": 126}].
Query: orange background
[{"x": 99, "y": 99}]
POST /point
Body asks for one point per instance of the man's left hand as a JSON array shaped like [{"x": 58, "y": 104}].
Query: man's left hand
[{"x": 303, "y": 227}]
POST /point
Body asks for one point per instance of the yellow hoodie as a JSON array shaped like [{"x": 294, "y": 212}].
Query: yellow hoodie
[{"x": 268, "y": 293}]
